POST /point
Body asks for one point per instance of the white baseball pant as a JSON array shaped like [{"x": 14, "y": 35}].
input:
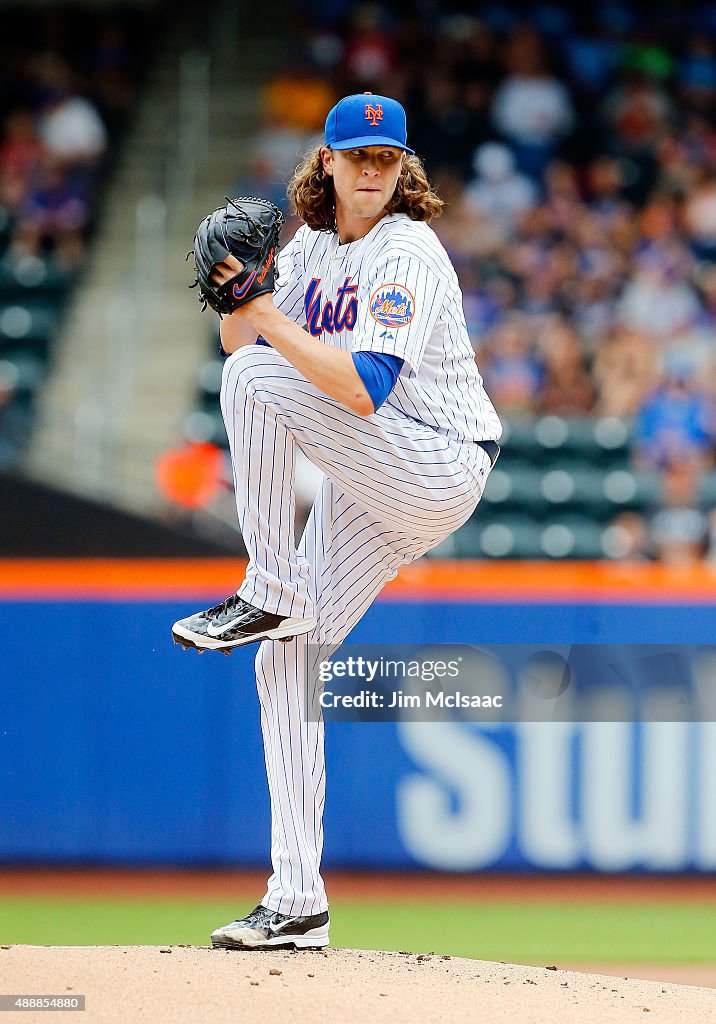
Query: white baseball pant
[{"x": 393, "y": 488}]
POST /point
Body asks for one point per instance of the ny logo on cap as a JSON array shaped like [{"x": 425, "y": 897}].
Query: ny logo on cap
[{"x": 373, "y": 114}]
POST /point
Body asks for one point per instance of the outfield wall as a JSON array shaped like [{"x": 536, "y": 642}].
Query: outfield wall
[{"x": 116, "y": 746}]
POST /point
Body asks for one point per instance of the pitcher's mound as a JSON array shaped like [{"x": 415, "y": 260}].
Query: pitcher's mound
[{"x": 193, "y": 984}]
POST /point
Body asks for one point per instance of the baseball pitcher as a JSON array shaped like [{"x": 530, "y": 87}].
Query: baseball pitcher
[{"x": 351, "y": 346}]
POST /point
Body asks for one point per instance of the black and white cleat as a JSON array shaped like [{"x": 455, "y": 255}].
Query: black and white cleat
[{"x": 234, "y": 623}]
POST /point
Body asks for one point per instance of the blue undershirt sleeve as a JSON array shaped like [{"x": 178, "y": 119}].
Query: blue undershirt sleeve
[{"x": 378, "y": 372}]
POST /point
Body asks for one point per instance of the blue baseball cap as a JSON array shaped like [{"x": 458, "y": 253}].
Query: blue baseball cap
[{"x": 366, "y": 120}]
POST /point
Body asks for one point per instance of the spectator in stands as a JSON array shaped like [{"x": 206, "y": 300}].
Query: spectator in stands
[
  {"x": 626, "y": 539},
  {"x": 580, "y": 198},
  {"x": 53, "y": 218},
  {"x": 700, "y": 216},
  {"x": 71, "y": 128},
  {"x": 263, "y": 178},
  {"x": 531, "y": 109},
  {"x": 112, "y": 71},
  {"x": 591, "y": 58},
  {"x": 675, "y": 424},
  {"x": 513, "y": 371},
  {"x": 467, "y": 233},
  {"x": 592, "y": 309},
  {"x": 52, "y": 153},
  {"x": 451, "y": 120},
  {"x": 562, "y": 201},
  {"x": 567, "y": 389},
  {"x": 637, "y": 112},
  {"x": 624, "y": 372},
  {"x": 705, "y": 278},
  {"x": 281, "y": 148},
  {"x": 679, "y": 529},
  {"x": 697, "y": 72},
  {"x": 369, "y": 56},
  {"x": 711, "y": 548},
  {"x": 297, "y": 99},
  {"x": 689, "y": 353},
  {"x": 498, "y": 191},
  {"x": 21, "y": 156},
  {"x": 658, "y": 298},
  {"x": 648, "y": 55},
  {"x": 604, "y": 182},
  {"x": 676, "y": 532},
  {"x": 636, "y": 116},
  {"x": 292, "y": 108},
  {"x": 190, "y": 476},
  {"x": 485, "y": 302}
]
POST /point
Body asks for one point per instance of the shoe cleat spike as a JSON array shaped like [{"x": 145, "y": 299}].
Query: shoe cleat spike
[
  {"x": 286, "y": 639},
  {"x": 227, "y": 651}
]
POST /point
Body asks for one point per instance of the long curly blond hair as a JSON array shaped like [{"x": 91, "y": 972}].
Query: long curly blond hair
[{"x": 310, "y": 192}]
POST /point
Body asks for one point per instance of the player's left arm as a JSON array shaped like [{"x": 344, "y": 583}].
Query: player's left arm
[
  {"x": 236, "y": 331},
  {"x": 332, "y": 370},
  {"x": 399, "y": 307}
]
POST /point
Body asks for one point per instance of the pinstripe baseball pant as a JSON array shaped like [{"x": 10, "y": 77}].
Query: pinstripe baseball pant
[{"x": 393, "y": 488}]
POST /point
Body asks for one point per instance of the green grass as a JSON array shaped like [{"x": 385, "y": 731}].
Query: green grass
[
  {"x": 546, "y": 933},
  {"x": 536, "y": 932}
]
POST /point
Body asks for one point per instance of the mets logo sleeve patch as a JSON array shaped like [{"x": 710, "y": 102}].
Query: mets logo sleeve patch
[
  {"x": 399, "y": 309},
  {"x": 392, "y": 305}
]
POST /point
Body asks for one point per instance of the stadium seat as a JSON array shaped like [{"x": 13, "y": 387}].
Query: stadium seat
[
  {"x": 210, "y": 383},
  {"x": 4, "y": 228},
  {"x": 23, "y": 374},
  {"x": 633, "y": 489},
  {"x": 707, "y": 490},
  {"x": 27, "y": 326},
  {"x": 206, "y": 425},
  {"x": 515, "y": 486},
  {"x": 510, "y": 536},
  {"x": 518, "y": 440},
  {"x": 588, "y": 495},
  {"x": 550, "y": 439},
  {"x": 613, "y": 435},
  {"x": 572, "y": 537},
  {"x": 513, "y": 536},
  {"x": 32, "y": 277}
]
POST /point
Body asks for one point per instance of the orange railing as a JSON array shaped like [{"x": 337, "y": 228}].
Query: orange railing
[{"x": 157, "y": 579}]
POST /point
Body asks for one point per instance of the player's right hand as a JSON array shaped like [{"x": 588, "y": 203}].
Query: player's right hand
[{"x": 224, "y": 271}]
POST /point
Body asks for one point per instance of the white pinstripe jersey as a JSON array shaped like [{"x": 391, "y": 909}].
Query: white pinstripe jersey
[{"x": 394, "y": 291}]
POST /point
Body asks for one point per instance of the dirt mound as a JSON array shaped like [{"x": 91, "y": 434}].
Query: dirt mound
[{"x": 190, "y": 984}]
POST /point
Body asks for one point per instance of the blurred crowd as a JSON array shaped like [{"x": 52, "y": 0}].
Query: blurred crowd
[
  {"x": 67, "y": 81},
  {"x": 68, "y": 78},
  {"x": 576, "y": 153}
]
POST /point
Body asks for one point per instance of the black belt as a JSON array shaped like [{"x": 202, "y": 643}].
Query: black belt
[{"x": 492, "y": 448}]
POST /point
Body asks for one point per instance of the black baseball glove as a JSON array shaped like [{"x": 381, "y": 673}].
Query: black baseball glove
[{"x": 248, "y": 229}]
